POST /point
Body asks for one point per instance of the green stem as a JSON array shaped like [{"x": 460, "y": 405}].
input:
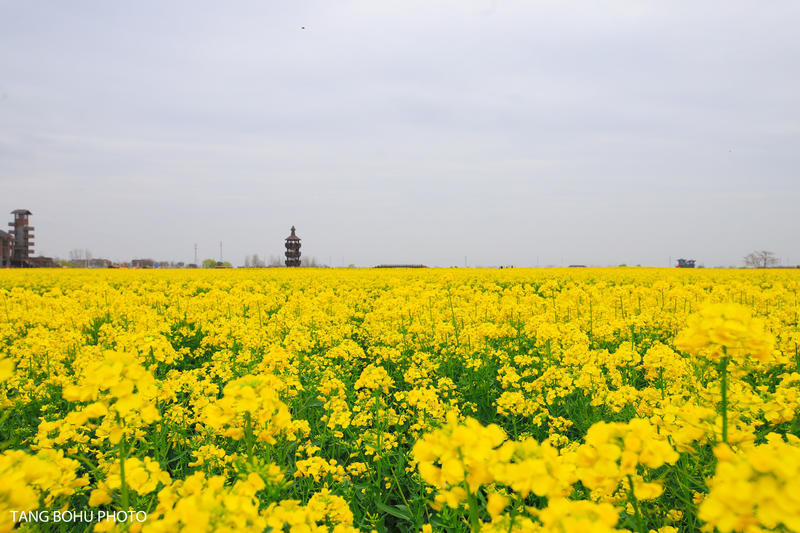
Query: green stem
[
  {"x": 123, "y": 484},
  {"x": 453, "y": 315},
  {"x": 512, "y": 517},
  {"x": 5, "y": 303},
  {"x": 400, "y": 489},
  {"x": 635, "y": 502},
  {"x": 723, "y": 370},
  {"x": 248, "y": 435},
  {"x": 378, "y": 425},
  {"x": 474, "y": 522}
]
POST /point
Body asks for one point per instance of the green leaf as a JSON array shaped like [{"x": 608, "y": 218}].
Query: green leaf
[{"x": 398, "y": 511}]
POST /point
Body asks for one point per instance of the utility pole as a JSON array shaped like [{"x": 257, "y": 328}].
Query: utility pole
[
  {"x": 195, "y": 253},
  {"x": 220, "y": 251}
]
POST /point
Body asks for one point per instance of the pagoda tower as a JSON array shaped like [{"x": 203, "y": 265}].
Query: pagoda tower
[{"x": 292, "y": 250}]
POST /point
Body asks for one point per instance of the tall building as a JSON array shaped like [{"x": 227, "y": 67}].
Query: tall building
[
  {"x": 22, "y": 234},
  {"x": 292, "y": 250},
  {"x": 6, "y": 247}
]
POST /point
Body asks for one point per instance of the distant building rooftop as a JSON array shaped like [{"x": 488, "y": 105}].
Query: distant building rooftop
[{"x": 292, "y": 237}]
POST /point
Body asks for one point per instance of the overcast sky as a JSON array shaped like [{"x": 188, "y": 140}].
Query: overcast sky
[{"x": 402, "y": 131}]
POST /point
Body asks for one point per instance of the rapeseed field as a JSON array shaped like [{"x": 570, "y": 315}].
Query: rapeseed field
[{"x": 563, "y": 400}]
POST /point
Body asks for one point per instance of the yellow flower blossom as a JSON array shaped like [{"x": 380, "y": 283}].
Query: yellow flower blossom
[{"x": 720, "y": 329}]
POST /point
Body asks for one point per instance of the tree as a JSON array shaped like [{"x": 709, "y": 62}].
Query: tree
[
  {"x": 209, "y": 263},
  {"x": 253, "y": 261},
  {"x": 80, "y": 257},
  {"x": 760, "y": 259}
]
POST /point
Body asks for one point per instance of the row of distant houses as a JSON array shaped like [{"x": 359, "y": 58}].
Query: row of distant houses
[
  {"x": 150, "y": 263},
  {"x": 135, "y": 263}
]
